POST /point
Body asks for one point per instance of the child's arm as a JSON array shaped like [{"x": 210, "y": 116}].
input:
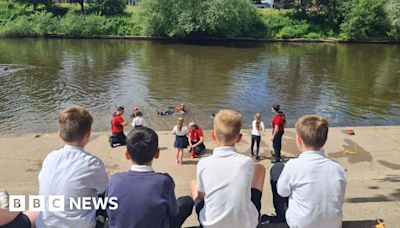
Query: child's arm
[{"x": 284, "y": 185}]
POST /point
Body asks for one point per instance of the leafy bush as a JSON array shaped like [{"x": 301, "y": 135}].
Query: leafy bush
[
  {"x": 76, "y": 25},
  {"x": 313, "y": 35},
  {"x": 275, "y": 22},
  {"x": 367, "y": 20},
  {"x": 182, "y": 18},
  {"x": 393, "y": 12},
  {"x": 107, "y": 7},
  {"x": 35, "y": 3},
  {"x": 294, "y": 31},
  {"x": 38, "y": 24}
]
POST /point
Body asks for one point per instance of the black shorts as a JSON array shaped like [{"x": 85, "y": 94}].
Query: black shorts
[
  {"x": 21, "y": 221},
  {"x": 255, "y": 198}
]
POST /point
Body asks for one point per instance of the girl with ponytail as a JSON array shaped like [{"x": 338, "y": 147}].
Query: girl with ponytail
[
  {"x": 257, "y": 128},
  {"x": 181, "y": 141}
]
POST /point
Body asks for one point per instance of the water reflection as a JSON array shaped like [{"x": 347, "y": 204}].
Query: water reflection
[{"x": 349, "y": 84}]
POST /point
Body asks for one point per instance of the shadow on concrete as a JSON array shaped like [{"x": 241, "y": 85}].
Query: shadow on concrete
[
  {"x": 37, "y": 167},
  {"x": 190, "y": 162},
  {"x": 390, "y": 165},
  {"x": 395, "y": 196},
  {"x": 163, "y": 148},
  {"x": 390, "y": 178},
  {"x": 373, "y": 187},
  {"x": 353, "y": 152}
]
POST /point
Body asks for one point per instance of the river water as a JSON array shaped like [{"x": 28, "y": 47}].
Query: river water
[{"x": 350, "y": 84}]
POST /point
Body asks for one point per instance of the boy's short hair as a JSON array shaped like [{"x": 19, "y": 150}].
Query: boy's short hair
[
  {"x": 227, "y": 125},
  {"x": 74, "y": 122},
  {"x": 142, "y": 144},
  {"x": 120, "y": 108},
  {"x": 313, "y": 130}
]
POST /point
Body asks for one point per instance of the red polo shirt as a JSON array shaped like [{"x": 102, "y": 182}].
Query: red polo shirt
[
  {"x": 116, "y": 126},
  {"x": 195, "y": 135},
  {"x": 278, "y": 120}
]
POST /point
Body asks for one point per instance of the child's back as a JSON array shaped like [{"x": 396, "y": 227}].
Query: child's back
[
  {"x": 225, "y": 177},
  {"x": 72, "y": 172},
  {"x": 145, "y": 199},
  {"x": 228, "y": 190},
  {"x": 314, "y": 184}
]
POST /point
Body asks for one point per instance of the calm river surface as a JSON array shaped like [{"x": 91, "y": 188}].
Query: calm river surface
[{"x": 350, "y": 84}]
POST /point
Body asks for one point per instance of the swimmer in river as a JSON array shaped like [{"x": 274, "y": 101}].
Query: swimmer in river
[{"x": 178, "y": 109}]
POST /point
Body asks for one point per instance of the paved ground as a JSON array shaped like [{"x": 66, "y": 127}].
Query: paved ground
[{"x": 371, "y": 158}]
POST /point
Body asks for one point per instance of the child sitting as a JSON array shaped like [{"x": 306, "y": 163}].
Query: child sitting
[
  {"x": 229, "y": 186},
  {"x": 72, "y": 172},
  {"x": 145, "y": 198},
  {"x": 314, "y": 184}
]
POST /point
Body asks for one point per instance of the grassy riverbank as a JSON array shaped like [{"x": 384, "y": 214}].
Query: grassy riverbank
[{"x": 365, "y": 20}]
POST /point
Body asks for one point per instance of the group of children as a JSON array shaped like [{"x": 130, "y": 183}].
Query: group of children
[{"x": 227, "y": 191}]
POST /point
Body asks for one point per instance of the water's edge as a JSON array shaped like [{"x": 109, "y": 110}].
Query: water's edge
[{"x": 209, "y": 39}]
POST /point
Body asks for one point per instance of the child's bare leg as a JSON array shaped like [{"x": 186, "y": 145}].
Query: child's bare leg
[
  {"x": 180, "y": 156},
  {"x": 177, "y": 155},
  {"x": 258, "y": 177}
]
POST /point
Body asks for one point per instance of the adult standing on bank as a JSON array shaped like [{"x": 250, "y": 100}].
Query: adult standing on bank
[
  {"x": 118, "y": 124},
  {"x": 278, "y": 129}
]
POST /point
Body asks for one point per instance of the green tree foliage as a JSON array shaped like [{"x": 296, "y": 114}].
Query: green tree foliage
[
  {"x": 393, "y": 12},
  {"x": 366, "y": 20},
  {"x": 182, "y": 18},
  {"x": 107, "y": 7},
  {"x": 35, "y": 3},
  {"x": 81, "y": 4}
]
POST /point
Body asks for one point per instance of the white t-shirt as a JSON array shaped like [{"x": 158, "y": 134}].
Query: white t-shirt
[
  {"x": 254, "y": 131},
  {"x": 315, "y": 186},
  {"x": 71, "y": 172},
  {"x": 138, "y": 121},
  {"x": 181, "y": 132},
  {"x": 225, "y": 178}
]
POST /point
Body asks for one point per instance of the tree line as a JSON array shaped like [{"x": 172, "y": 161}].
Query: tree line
[{"x": 317, "y": 19}]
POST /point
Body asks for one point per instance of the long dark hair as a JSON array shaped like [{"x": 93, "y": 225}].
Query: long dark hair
[{"x": 280, "y": 113}]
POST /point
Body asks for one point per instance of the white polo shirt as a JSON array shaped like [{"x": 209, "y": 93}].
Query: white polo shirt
[
  {"x": 315, "y": 186},
  {"x": 138, "y": 121},
  {"x": 181, "y": 132},
  {"x": 254, "y": 130},
  {"x": 225, "y": 178},
  {"x": 71, "y": 172}
]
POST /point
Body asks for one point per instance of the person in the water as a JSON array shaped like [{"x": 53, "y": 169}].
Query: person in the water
[{"x": 178, "y": 109}]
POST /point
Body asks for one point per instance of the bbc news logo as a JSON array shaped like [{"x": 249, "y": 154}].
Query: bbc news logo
[{"x": 57, "y": 203}]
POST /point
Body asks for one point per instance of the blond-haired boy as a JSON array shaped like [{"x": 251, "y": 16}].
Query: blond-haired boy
[
  {"x": 229, "y": 186},
  {"x": 72, "y": 172},
  {"x": 314, "y": 184}
]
